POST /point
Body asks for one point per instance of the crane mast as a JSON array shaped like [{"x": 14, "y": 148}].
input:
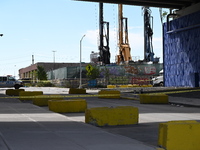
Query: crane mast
[
  {"x": 124, "y": 48},
  {"x": 148, "y": 33},
  {"x": 104, "y": 50}
]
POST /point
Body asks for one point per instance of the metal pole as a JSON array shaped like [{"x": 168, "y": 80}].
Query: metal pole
[
  {"x": 53, "y": 56},
  {"x": 80, "y": 86},
  {"x": 54, "y": 63}
]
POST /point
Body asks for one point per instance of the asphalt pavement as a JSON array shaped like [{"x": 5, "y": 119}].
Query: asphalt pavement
[{"x": 24, "y": 126}]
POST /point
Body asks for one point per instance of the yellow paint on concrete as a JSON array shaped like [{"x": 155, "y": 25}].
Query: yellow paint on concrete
[
  {"x": 153, "y": 99},
  {"x": 148, "y": 85},
  {"x": 67, "y": 106},
  {"x": 42, "y": 100},
  {"x": 104, "y": 116},
  {"x": 77, "y": 91},
  {"x": 29, "y": 95},
  {"x": 109, "y": 94},
  {"x": 111, "y": 86},
  {"x": 130, "y": 85},
  {"x": 135, "y": 85},
  {"x": 183, "y": 135},
  {"x": 13, "y": 92}
]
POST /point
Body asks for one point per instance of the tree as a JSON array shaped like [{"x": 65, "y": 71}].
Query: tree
[
  {"x": 163, "y": 15},
  {"x": 41, "y": 73}
]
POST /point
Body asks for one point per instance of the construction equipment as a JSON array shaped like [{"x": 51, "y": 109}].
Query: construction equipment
[
  {"x": 148, "y": 33},
  {"x": 104, "y": 50},
  {"x": 124, "y": 49}
]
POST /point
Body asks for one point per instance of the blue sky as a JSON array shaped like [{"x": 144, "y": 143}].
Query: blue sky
[{"x": 38, "y": 27}]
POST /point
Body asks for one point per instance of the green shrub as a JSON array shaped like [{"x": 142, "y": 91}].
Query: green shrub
[{"x": 44, "y": 84}]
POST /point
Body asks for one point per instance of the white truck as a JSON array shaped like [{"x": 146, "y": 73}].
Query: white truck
[
  {"x": 158, "y": 81},
  {"x": 9, "y": 81}
]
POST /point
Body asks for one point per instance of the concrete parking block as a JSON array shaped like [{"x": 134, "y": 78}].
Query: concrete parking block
[
  {"x": 67, "y": 106},
  {"x": 153, "y": 99},
  {"x": 42, "y": 100},
  {"x": 29, "y": 95},
  {"x": 109, "y": 94},
  {"x": 175, "y": 135},
  {"x": 104, "y": 116}
]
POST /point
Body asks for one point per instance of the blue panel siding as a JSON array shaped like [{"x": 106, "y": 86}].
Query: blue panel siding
[{"x": 182, "y": 52}]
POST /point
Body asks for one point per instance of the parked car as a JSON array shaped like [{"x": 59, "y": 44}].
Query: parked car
[
  {"x": 158, "y": 81},
  {"x": 9, "y": 81}
]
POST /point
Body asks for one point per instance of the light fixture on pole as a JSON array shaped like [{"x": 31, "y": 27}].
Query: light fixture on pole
[{"x": 80, "y": 85}]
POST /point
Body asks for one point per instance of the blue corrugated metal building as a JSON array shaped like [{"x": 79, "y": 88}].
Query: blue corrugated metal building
[{"x": 182, "y": 51}]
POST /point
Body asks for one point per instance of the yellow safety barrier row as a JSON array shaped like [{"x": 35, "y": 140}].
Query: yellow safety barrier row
[
  {"x": 42, "y": 100},
  {"x": 179, "y": 135},
  {"x": 64, "y": 96},
  {"x": 104, "y": 116},
  {"x": 67, "y": 106},
  {"x": 174, "y": 92},
  {"x": 153, "y": 99},
  {"x": 135, "y": 96},
  {"x": 128, "y": 86}
]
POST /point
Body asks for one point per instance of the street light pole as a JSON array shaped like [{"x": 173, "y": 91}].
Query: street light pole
[
  {"x": 54, "y": 62},
  {"x": 54, "y": 56},
  {"x": 80, "y": 86},
  {"x": 53, "y": 59}
]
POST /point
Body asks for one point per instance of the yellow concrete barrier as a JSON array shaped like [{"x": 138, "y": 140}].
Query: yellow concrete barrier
[
  {"x": 104, "y": 116},
  {"x": 123, "y": 86},
  {"x": 153, "y": 99},
  {"x": 67, "y": 106},
  {"x": 179, "y": 135},
  {"x": 77, "y": 91},
  {"x": 111, "y": 86},
  {"x": 13, "y": 92},
  {"x": 109, "y": 94},
  {"x": 42, "y": 100},
  {"x": 29, "y": 95}
]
